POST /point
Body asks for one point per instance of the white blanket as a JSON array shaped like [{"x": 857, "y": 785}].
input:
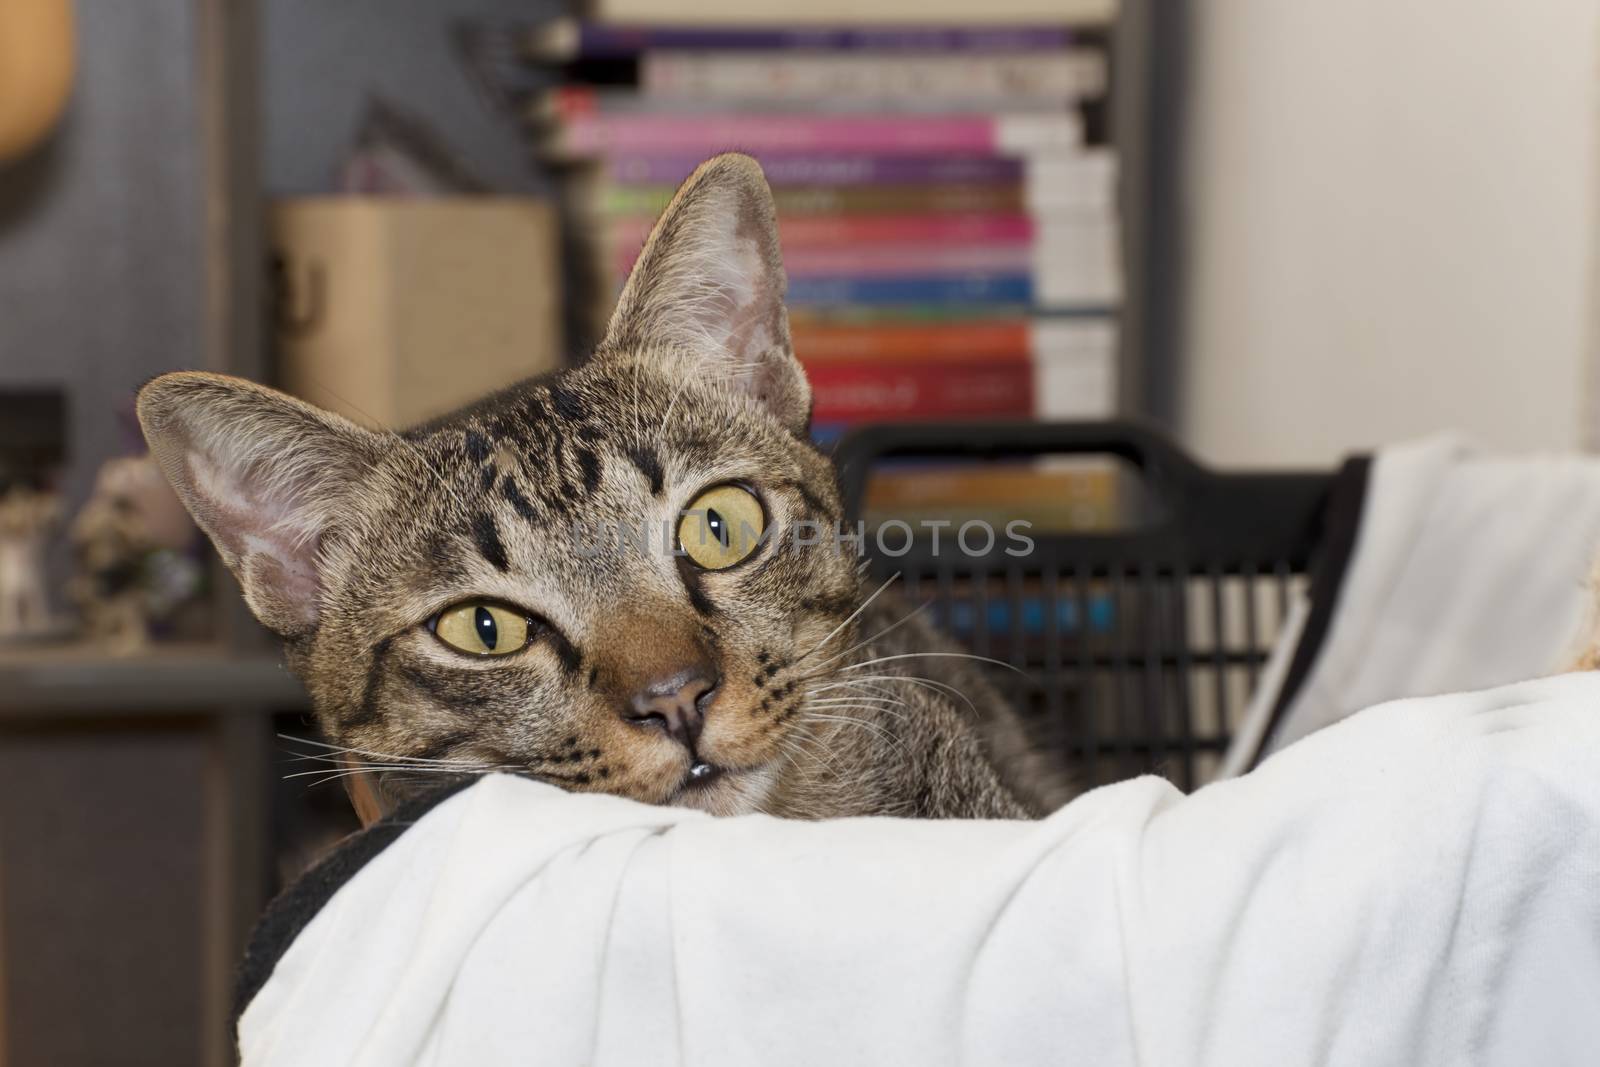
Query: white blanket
[
  {"x": 1470, "y": 570},
  {"x": 1419, "y": 884}
]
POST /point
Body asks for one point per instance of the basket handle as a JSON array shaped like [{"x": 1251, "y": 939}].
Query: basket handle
[{"x": 1165, "y": 468}]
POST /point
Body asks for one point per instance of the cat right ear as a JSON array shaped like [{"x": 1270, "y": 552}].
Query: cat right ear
[
  {"x": 262, "y": 474},
  {"x": 708, "y": 287}
]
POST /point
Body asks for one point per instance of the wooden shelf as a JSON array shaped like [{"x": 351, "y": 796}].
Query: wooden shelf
[{"x": 82, "y": 679}]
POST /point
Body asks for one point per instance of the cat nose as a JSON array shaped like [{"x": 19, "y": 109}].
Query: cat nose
[{"x": 676, "y": 703}]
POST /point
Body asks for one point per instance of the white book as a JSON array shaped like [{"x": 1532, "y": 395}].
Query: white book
[
  {"x": 1066, "y": 74},
  {"x": 1065, "y": 182},
  {"x": 1077, "y": 261},
  {"x": 852, "y": 12},
  {"x": 1074, "y": 368}
]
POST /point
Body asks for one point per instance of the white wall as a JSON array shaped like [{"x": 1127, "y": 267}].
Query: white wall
[{"x": 1390, "y": 224}]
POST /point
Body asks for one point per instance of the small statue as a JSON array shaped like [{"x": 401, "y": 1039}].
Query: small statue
[
  {"x": 130, "y": 545},
  {"x": 26, "y": 516}
]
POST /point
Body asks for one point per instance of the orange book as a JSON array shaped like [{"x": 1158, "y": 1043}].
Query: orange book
[
  {"x": 819, "y": 342},
  {"x": 1052, "y": 499},
  {"x": 932, "y": 486}
]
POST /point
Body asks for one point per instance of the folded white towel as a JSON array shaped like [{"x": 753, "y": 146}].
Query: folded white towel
[
  {"x": 1419, "y": 884},
  {"x": 1470, "y": 570}
]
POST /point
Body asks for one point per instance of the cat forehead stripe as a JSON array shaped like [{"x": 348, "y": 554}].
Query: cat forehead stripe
[{"x": 487, "y": 537}]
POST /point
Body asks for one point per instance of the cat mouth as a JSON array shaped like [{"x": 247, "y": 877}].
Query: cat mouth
[
  {"x": 706, "y": 785},
  {"x": 700, "y": 775}
]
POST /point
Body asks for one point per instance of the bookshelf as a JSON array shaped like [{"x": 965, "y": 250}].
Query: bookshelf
[
  {"x": 966, "y": 209},
  {"x": 948, "y": 196},
  {"x": 72, "y": 680}
]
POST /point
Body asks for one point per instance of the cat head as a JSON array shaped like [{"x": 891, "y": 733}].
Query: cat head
[{"x": 588, "y": 577}]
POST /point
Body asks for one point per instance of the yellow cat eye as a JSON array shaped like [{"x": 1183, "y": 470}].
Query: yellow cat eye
[
  {"x": 721, "y": 527},
  {"x": 481, "y": 628}
]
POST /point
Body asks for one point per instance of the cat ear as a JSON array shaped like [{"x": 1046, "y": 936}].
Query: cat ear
[
  {"x": 262, "y": 474},
  {"x": 709, "y": 286}
]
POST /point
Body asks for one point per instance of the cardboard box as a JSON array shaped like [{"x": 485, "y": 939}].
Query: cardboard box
[{"x": 392, "y": 310}]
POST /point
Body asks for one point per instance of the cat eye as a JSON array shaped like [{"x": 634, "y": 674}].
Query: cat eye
[
  {"x": 482, "y": 628},
  {"x": 721, "y": 527}
]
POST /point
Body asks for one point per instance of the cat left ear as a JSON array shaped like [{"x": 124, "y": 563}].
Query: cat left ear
[
  {"x": 709, "y": 286},
  {"x": 264, "y": 475}
]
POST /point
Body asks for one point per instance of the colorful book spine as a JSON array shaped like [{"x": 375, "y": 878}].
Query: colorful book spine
[
  {"x": 1066, "y": 75},
  {"x": 629, "y": 168},
  {"x": 1015, "y": 290},
  {"x": 798, "y": 201},
  {"x": 566, "y": 102},
  {"x": 947, "y": 484},
  {"x": 1054, "y": 183},
  {"x": 845, "y": 392},
  {"x": 1080, "y": 497},
  {"x": 949, "y": 238},
  {"x": 859, "y": 230},
  {"x": 958, "y": 342},
  {"x": 566, "y": 38},
  {"x": 889, "y": 260},
  {"x": 969, "y": 134},
  {"x": 1075, "y": 270}
]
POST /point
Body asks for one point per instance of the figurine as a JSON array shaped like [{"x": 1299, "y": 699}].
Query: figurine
[
  {"x": 130, "y": 545},
  {"x": 26, "y": 515}
]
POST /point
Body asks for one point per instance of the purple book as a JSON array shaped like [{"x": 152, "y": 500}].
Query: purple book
[
  {"x": 831, "y": 170},
  {"x": 568, "y": 39}
]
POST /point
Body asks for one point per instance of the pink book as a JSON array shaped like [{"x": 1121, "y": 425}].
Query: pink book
[
  {"x": 789, "y": 134},
  {"x": 874, "y": 261},
  {"x": 908, "y": 229},
  {"x": 630, "y": 233},
  {"x": 850, "y": 392}
]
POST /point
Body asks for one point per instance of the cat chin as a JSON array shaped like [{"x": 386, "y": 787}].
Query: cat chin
[{"x": 731, "y": 793}]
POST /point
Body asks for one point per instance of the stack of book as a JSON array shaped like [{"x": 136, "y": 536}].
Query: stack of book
[{"x": 945, "y": 196}]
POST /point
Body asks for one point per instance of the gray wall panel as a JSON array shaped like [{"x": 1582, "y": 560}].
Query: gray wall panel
[{"x": 101, "y": 272}]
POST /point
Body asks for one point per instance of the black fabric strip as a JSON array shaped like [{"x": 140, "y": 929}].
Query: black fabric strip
[
  {"x": 1341, "y": 524},
  {"x": 294, "y": 908}
]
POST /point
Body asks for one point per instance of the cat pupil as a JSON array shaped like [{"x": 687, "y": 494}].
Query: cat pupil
[
  {"x": 488, "y": 632},
  {"x": 719, "y": 527}
]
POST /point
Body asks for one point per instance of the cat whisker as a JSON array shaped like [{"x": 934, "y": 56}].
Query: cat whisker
[
  {"x": 389, "y": 765},
  {"x": 893, "y": 742},
  {"x": 859, "y": 645},
  {"x": 331, "y": 776},
  {"x": 947, "y": 655},
  {"x": 879, "y": 705},
  {"x": 855, "y": 698},
  {"x": 848, "y": 619},
  {"x": 798, "y": 754},
  {"x": 859, "y": 700},
  {"x": 871, "y": 683},
  {"x": 863, "y": 683},
  {"x": 377, "y": 768},
  {"x": 386, "y": 757},
  {"x": 870, "y": 724},
  {"x": 855, "y": 684},
  {"x": 814, "y": 750},
  {"x": 853, "y": 720},
  {"x": 923, "y": 683}
]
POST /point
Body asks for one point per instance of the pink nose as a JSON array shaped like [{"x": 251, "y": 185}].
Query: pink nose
[{"x": 676, "y": 703}]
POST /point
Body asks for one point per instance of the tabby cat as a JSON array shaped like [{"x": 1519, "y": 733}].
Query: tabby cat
[{"x": 448, "y": 602}]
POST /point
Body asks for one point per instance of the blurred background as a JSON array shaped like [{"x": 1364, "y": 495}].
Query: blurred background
[{"x": 1271, "y": 234}]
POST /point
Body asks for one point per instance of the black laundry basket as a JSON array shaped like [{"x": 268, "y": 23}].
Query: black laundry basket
[{"x": 1138, "y": 647}]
